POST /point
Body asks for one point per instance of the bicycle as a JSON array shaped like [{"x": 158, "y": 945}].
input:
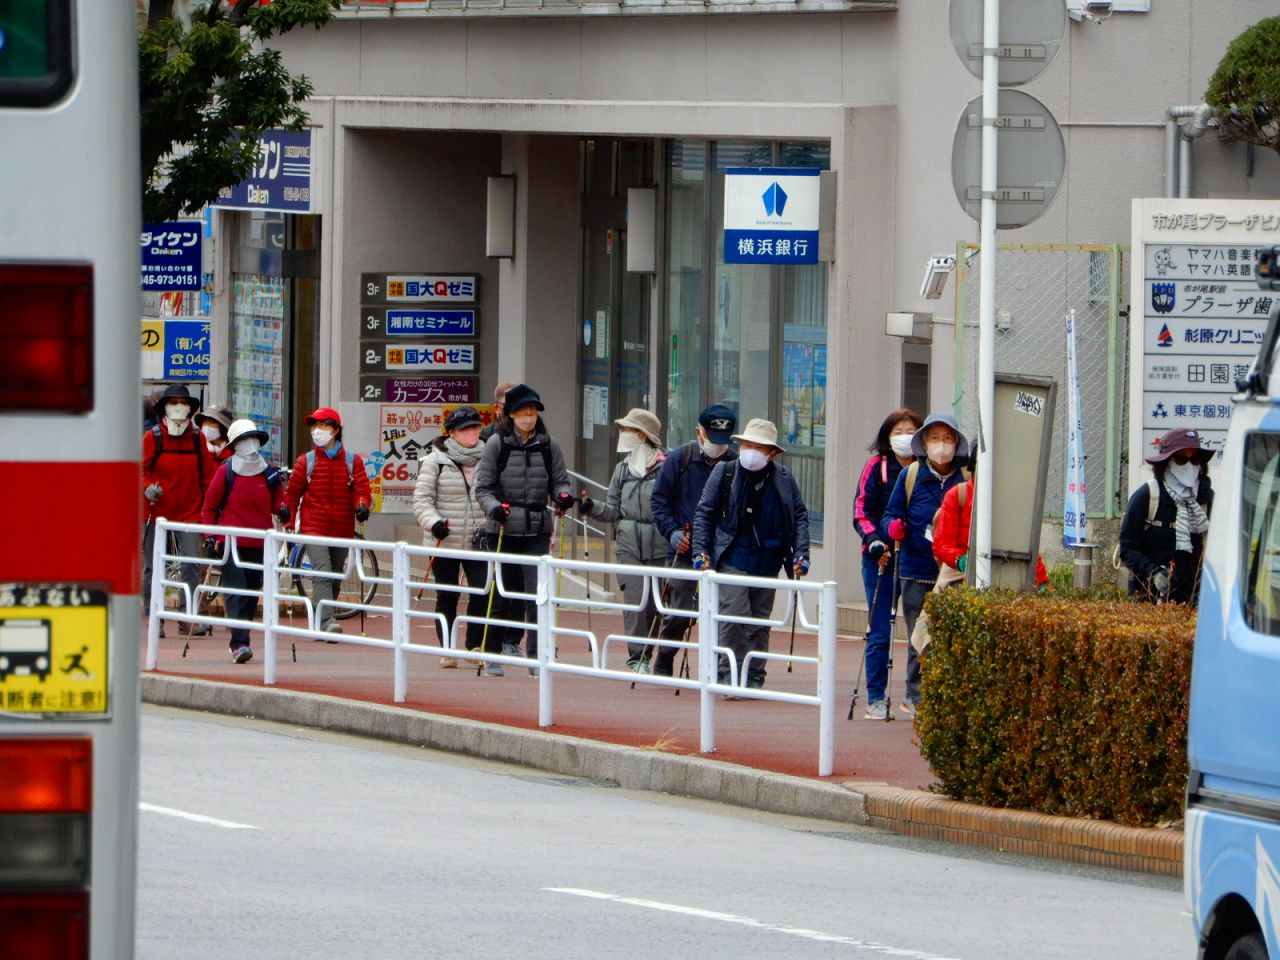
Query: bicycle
[{"x": 293, "y": 556}]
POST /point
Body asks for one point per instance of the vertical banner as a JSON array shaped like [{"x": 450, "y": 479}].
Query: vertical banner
[{"x": 1074, "y": 533}]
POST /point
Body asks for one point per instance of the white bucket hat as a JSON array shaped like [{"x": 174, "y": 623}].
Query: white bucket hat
[
  {"x": 762, "y": 432},
  {"x": 638, "y": 418},
  {"x": 246, "y": 428}
]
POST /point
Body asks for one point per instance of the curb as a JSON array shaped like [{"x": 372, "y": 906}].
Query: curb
[{"x": 914, "y": 813}]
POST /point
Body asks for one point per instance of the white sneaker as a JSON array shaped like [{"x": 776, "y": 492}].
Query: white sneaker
[
  {"x": 878, "y": 711},
  {"x": 907, "y": 707}
]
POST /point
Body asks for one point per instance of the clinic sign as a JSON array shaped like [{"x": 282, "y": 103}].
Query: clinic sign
[
  {"x": 771, "y": 215},
  {"x": 280, "y": 180},
  {"x": 171, "y": 255},
  {"x": 1198, "y": 316}
]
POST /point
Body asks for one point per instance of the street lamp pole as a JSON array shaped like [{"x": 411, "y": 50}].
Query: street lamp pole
[{"x": 987, "y": 291}]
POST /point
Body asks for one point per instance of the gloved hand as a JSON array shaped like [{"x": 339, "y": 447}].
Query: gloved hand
[
  {"x": 440, "y": 529},
  {"x": 680, "y": 541},
  {"x": 585, "y": 505},
  {"x": 897, "y": 530},
  {"x": 212, "y": 548},
  {"x": 1160, "y": 584},
  {"x": 877, "y": 549},
  {"x": 500, "y": 513},
  {"x": 564, "y": 500},
  {"x": 283, "y": 513},
  {"x": 153, "y": 492},
  {"x": 362, "y": 512},
  {"x": 962, "y": 562},
  {"x": 800, "y": 567},
  {"x": 701, "y": 562}
]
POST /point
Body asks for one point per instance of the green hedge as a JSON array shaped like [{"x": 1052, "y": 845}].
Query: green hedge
[{"x": 1060, "y": 705}]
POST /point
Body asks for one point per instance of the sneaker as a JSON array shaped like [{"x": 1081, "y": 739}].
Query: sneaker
[
  {"x": 448, "y": 663},
  {"x": 878, "y": 711},
  {"x": 511, "y": 650},
  {"x": 194, "y": 629},
  {"x": 242, "y": 655},
  {"x": 493, "y": 670},
  {"x": 907, "y": 707},
  {"x": 638, "y": 666},
  {"x": 533, "y": 672},
  {"x": 755, "y": 684}
]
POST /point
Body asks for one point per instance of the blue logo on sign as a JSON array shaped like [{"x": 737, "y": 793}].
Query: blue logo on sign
[
  {"x": 1163, "y": 296},
  {"x": 775, "y": 199}
]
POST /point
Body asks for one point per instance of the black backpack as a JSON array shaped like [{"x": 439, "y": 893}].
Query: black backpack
[{"x": 158, "y": 434}]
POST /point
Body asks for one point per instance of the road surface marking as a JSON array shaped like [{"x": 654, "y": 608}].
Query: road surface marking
[
  {"x": 195, "y": 817},
  {"x": 806, "y": 934}
]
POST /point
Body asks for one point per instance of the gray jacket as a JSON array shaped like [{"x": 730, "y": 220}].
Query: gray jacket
[
  {"x": 446, "y": 491},
  {"x": 523, "y": 483},
  {"x": 628, "y": 504}
]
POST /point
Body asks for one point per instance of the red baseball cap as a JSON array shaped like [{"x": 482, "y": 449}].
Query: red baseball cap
[{"x": 324, "y": 413}]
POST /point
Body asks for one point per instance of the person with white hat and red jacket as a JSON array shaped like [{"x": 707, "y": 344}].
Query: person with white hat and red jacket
[
  {"x": 245, "y": 492},
  {"x": 328, "y": 492}
]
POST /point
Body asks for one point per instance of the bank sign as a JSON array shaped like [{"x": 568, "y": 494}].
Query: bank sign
[
  {"x": 280, "y": 180},
  {"x": 771, "y": 215}
]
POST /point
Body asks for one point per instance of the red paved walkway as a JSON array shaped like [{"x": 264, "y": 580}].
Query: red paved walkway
[{"x": 772, "y": 736}]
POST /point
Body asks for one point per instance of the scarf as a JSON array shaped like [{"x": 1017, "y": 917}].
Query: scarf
[
  {"x": 463, "y": 456},
  {"x": 1191, "y": 516},
  {"x": 641, "y": 459}
]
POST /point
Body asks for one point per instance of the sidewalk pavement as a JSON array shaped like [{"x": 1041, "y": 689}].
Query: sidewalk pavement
[{"x": 766, "y": 753}]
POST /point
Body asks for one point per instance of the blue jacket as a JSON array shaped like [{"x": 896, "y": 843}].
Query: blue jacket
[
  {"x": 915, "y": 560},
  {"x": 715, "y": 524},
  {"x": 679, "y": 488}
]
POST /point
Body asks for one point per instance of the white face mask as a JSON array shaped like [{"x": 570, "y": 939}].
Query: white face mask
[
  {"x": 177, "y": 412},
  {"x": 321, "y": 436},
  {"x": 248, "y": 446},
  {"x": 900, "y": 443},
  {"x": 211, "y": 433},
  {"x": 713, "y": 451},
  {"x": 753, "y": 460},
  {"x": 940, "y": 452},
  {"x": 1186, "y": 474},
  {"x": 628, "y": 441}
]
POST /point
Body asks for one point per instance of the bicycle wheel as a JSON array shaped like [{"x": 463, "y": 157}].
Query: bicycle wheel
[{"x": 353, "y": 589}]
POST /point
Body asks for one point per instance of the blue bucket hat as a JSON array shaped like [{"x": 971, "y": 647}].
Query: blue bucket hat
[{"x": 962, "y": 442}]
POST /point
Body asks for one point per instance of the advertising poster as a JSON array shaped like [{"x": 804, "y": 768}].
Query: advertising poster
[{"x": 405, "y": 432}]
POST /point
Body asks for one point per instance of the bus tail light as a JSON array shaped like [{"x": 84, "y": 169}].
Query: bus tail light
[
  {"x": 46, "y": 799},
  {"x": 46, "y": 337}
]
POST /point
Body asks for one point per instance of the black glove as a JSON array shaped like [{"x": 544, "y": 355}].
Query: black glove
[
  {"x": 440, "y": 529},
  {"x": 585, "y": 506},
  {"x": 212, "y": 548},
  {"x": 500, "y": 513},
  {"x": 283, "y": 513},
  {"x": 564, "y": 501},
  {"x": 362, "y": 512},
  {"x": 876, "y": 549}
]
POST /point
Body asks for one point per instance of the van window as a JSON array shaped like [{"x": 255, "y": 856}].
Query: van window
[{"x": 1260, "y": 533}]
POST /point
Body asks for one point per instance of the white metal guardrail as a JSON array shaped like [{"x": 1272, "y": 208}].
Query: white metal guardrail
[{"x": 812, "y": 605}]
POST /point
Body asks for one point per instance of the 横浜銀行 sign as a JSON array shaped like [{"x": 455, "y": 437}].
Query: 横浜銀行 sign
[{"x": 771, "y": 215}]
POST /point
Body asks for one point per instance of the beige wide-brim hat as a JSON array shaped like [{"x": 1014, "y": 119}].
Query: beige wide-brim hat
[
  {"x": 638, "y": 418},
  {"x": 762, "y": 432}
]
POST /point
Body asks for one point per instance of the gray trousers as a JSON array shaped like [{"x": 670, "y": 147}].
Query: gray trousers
[
  {"x": 914, "y": 593},
  {"x": 638, "y": 622},
  {"x": 180, "y": 542},
  {"x": 739, "y": 637},
  {"x": 325, "y": 560}
]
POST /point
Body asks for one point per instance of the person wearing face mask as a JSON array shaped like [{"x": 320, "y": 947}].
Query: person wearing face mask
[
  {"x": 176, "y": 470},
  {"x": 676, "y": 493},
  {"x": 520, "y": 479},
  {"x": 214, "y": 421},
  {"x": 499, "y": 400},
  {"x": 245, "y": 492},
  {"x": 445, "y": 506},
  {"x": 1163, "y": 532},
  {"x": 941, "y": 453},
  {"x": 629, "y": 504},
  {"x": 328, "y": 493},
  {"x": 891, "y": 452},
  {"x": 751, "y": 519}
]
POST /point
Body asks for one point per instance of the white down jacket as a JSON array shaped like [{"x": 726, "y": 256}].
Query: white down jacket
[{"x": 446, "y": 491}]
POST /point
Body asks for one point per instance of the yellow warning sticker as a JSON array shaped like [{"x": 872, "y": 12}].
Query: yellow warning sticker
[{"x": 53, "y": 649}]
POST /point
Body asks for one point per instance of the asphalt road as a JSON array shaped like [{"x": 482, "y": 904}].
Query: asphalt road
[{"x": 276, "y": 842}]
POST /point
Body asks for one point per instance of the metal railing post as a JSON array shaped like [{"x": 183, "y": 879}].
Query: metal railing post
[
  {"x": 826, "y": 679},
  {"x": 708, "y": 669},
  {"x": 546, "y": 641},
  {"x": 157, "y": 592},
  {"x": 1112, "y": 466},
  {"x": 270, "y": 605},
  {"x": 399, "y": 618}
]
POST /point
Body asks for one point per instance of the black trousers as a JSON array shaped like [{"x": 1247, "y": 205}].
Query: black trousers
[
  {"x": 520, "y": 578},
  {"x": 447, "y": 570},
  {"x": 234, "y": 575},
  {"x": 683, "y": 595}
]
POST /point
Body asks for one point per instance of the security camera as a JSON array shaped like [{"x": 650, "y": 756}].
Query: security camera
[
  {"x": 1092, "y": 11},
  {"x": 935, "y": 276}
]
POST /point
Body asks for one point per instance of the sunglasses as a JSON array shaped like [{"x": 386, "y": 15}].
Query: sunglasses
[{"x": 1185, "y": 457}]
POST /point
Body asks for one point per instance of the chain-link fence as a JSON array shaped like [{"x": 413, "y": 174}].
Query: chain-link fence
[{"x": 1036, "y": 285}]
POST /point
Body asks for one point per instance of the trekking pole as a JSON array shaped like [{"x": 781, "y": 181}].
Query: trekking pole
[
  {"x": 493, "y": 583},
  {"x": 586, "y": 556},
  {"x": 893, "y": 621},
  {"x": 647, "y": 652},
  {"x": 866, "y": 639},
  {"x": 355, "y": 559},
  {"x": 431, "y": 562}
]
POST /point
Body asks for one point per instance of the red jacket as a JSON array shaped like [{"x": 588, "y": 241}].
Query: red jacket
[
  {"x": 251, "y": 503},
  {"x": 183, "y": 469},
  {"x": 330, "y": 499},
  {"x": 951, "y": 530}
]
